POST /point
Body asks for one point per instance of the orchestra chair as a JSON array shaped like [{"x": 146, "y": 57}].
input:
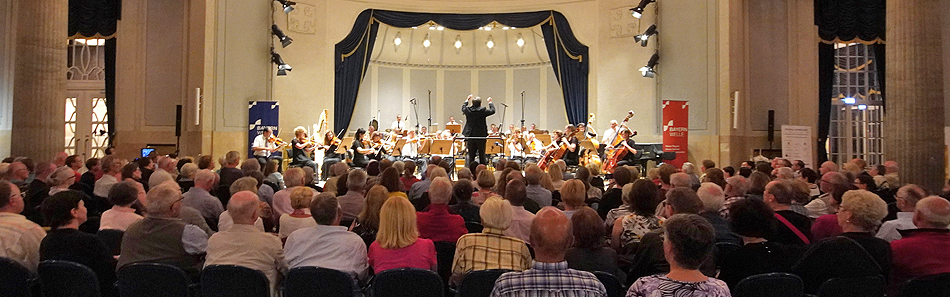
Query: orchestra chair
[
  {"x": 864, "y": 286},
  {"x": 318, "y": 282},
  {"x": 611, "y": 283},
  {"x": 15, "y": 279},
  {"x": 777, "y": 284},
  {"x": 407, "y": 282},
  {"x": 233, "y": 281},
  {"x": 67, "y": 279},
  {"x": 479, "y": 283},
  {"x": 286, "y": 157},
  {"x": 154, "y": 280},
  {"x": 930, "y": 285}
]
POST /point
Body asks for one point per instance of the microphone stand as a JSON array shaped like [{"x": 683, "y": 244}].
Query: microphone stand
[
  {"x": 430, "y": 110},
  {"x": 522, "y": 108},
  {"x": 505, "y": 109},
  {"x": 415, "y": 109}
]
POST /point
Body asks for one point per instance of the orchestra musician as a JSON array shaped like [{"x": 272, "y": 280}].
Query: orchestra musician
[
  {"x": 330, "y": 156},
  {"x": 534, "y": 146},
  {"x": 399, "y": 125},
  {"x": 264, "y": 146},
  {"x": 301, "y": 147},
  {"x": 360, "y": 149},
  {"x": 610, "y": 133},
  {"x": 493, "y": 132},
  {"x": 631, "y": 157},
  {"x": 378, "y": 147},
  {"x": 572, "y": 155},
  {"x": 513, "y": 145},
  {"x": 423, "y": 131},
  {"x": 451, "y": 121},
  {"x": 475, "y": 127}
]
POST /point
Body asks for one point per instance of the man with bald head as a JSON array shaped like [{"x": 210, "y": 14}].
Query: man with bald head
[
  {"x": 922, "y": 250},
  {"x": 551, "y": 236},
  {"x": 907, "y": 198},
  {"x": 245, "y": 245},
  {"x": 199, "y": 196},
  {"x": 827, "y": 166},
  {"x": 829, "y": 181},
  {"x": 680, "y": 180}
]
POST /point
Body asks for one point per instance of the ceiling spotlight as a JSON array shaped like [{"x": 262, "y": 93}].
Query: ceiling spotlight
[
  {"x": 282, "y": 67},
  {"x": 431, "y": 27},
  {"x": 284, "y": 39},
  {"x": 520, "y": 40},
  {"x": 505, "y": 28},
  {"x": 288, "y": 5},
  {"x": 648, "y": 70},
  {"x": 397, "y": 40},
  {"x": 425, "y": 42},
  {"x": 440, "y": 28},
  {"x": 643, "y": 38},
  {"x": 491, "y": 42},
  {"x": 458, "y": 42},
  {"x": 487, "y": 28},
  {"x": 637, "y": 12}
]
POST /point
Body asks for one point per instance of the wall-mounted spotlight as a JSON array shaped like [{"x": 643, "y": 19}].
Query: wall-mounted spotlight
[
  {"x": 491, "y": 42},
  {"x": 425, "y": 42},
  {"x": 458, "y": 43},
  {"x": 643, "y": 38},
  {"x": 282, "y": 67},
  {"x": 520, "y": 41},
  {"x": 637, "y": 12},
  {"x": 284, "y": 39},
  {"x": 288, "y": 5},
  {"x": 648, "y": 70},
  {"x": 398, "y": 40}
]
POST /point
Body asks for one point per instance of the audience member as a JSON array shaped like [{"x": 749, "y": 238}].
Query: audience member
[
  {"x": 889, "y": 180},
  {"x": 549, "y": 274},
  {"x": 398, "y": 244},
  {"x": 37, "y": 190},
  {"x": 490, "y": 249},
  {"x": 485, "y": 181},
  {"x": 573, "y": 196},
  {"x": 728, "y": 171},
  {"x": 300, "y": 199},
  {"x": 613, "y": 197},
  {"x": 757, "y": 184},
  {"x": 64, "y": 212},
  {"x": 366, "y": 224},
  {"x": 556, "y": 172},
  {"x": 827, "y": 225},
  {"x": 713, "y": 198},
  {"x": 166, "y": 165},
  {"x": 199, "y": 197},
  {"x": 353, "y": 202},
  {"x": 389, "y": 178},
  {"x": 791, "y": 228},
  {"x": 690, "y": 170},
  {"x": 110, "y": 167},
  {"x": 809, "y": 177},
  {"x": 752, "y": 220},
  {"x": 272, "y": 174},
  {"x": 420, "y": 187},
  {"x": 588, "y": 252},
  {"x": 689, "y": 241},
  {"x": 162, "y": 237},
  {"x": 293, "y": 178},
  {"x": 736, "y": 189},
  {"x": 186, "y": 176},
  {"x": 521, "y": 219},
  {"x": 649, "y": 258},
  {"x": 61, "y": 180},
  {"x": 92, "y": 174},
  {"x": 19, "y": 237},
  {"x": 635, "y": 219},
  {"x": 122, "y": 196},
  {"x": 922, "y": 251},
  {"x": 229, "y": 171},
  {"x": 907, "y": 198},
  {"x": 327, "y": 245},
  {"x": 534, "y": 190},
  {"x": 681, "y": 180},
  {"x": 465, "y": 207},
  {"x": 716, "y": 176},
  {"x": 437, "y": 223}
]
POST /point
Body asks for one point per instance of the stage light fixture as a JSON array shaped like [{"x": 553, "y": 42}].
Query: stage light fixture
[
  {"x": 288, "y": 5},
  {"x": 643, "y": 38},
  {"x": 637, "y": 12},
  {"x": 282, "y": 67},
  {"x": 458, "y": 42},
  {"x": 491, "y": 42},
  {"x": 284, "y": 39},
  {"x": 397, "y": 41},
  {"x": 520, "y": 40},
  {"x": 425, "y": 42},
  {"x": 649, "y": 70}
]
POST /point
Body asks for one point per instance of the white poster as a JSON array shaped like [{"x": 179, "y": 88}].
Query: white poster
[{"x": 796, "y": 143}]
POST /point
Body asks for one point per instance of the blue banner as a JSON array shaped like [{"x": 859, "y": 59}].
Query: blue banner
[{"x": 261, "y": 114}]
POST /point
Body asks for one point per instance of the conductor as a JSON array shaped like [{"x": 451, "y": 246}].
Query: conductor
[{"x": 475, "y": 126}]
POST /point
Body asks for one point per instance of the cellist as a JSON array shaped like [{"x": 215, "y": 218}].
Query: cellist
[{"x": 630, "y": 158}]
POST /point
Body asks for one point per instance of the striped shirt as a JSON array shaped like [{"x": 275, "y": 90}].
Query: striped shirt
[
  {"x": 20, "y": 239},
  {"x": 490, "y": 249},
  {"x": 548, "y": 279}
]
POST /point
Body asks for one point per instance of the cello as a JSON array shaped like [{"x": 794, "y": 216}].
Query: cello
[
  {"x": 555, "y": 154},
  {"x": 614, "y": 154}
]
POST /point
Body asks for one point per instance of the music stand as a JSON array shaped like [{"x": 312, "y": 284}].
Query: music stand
[
  {"x": 397, "y": 148},
  {"x": 344, "y": 145},
  {"x": 441, "y": 147},
  {"x": 454, "y": 128},
  {"x": 544, "y": 138},
  {"x": 587, "y": 144},
  {"x": 491, "y": 148}
]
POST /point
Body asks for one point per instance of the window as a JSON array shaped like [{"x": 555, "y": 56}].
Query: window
[{"x": 857, "y": 108}]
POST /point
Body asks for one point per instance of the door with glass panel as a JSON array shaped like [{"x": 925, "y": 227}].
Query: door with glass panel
[{"x": 86, "y": 123}]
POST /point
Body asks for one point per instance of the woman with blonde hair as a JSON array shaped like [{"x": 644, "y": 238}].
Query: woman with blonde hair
[
  {"x": 398, "y": 244},
  {"x": 557, "y": 175},
  {"x": 289, "y": 222},
  {"x": 573, "y": 195},
  {"x": 366, "y": 224}
]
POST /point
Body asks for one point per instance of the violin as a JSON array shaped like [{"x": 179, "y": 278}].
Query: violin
[{"x": 276, "y": 140}]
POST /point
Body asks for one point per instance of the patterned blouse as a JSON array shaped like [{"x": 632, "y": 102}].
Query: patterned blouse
[
  {"x": 661, "y": 286},
  {"x": 635, "y": 226}
]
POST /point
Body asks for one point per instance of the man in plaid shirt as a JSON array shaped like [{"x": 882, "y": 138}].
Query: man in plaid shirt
[{"x": 551, "y": 236}]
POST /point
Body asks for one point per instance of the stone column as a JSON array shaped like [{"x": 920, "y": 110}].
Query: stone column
[
  {"x": 39, "y": 85},
  {"x": 915, "y": 104}
]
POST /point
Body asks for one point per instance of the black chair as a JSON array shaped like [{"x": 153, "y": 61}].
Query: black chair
[
  {"x": 474, "y": 227},
  {"x": 319, "y": 282},
  {"x": 407, "y": 282},
  {"x": 930, "y": 285},
  {"x": 723, "y": 249},
  {"x": 233, "y": 281},
  {"x": 112, "y": 238},
  {"x": 479, "y": 283},
  {"x": 864, "y": 286},
  {"x": 67, "y": 279},
  {"x": 16, "y": 280},
  {"x": 776, "y": 284},
  {"x": 611, "y": 283},
  {"x": 445, "y": 254},
  {"x": 153, "y": 280}
]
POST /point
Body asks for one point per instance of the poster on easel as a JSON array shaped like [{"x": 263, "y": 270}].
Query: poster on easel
[
  {"x": 796, "y": 144},
  {"x": 261, "y": 115},
  {"x": 676, "y": 130}
]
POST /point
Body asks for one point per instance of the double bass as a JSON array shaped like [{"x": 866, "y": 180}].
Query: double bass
[
  {"x": 614, "y": 154},
  {"x": 555, "y": 154}
]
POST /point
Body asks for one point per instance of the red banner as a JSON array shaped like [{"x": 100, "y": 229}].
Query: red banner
[{"x": 676, "y": 130}]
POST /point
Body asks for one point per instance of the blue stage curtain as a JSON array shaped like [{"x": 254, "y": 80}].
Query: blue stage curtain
[{"x": 569, "y": 57}]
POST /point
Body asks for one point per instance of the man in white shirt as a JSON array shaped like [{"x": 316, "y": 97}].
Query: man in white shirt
[
  {"x": 907, "y": 198},
  {"x": 610, "y": 133},
  {"x": 399, "y": 124},
  {"x": 245, "y": 245},
  {"x": 327, "y": 245},
  {"x": 264, "y": 147},
  {"x": 19, "y": 238},
  {"x": 451, "y": 121},
  {"x": 410, "y": 150},
  {"x": 111, "y": 166}
]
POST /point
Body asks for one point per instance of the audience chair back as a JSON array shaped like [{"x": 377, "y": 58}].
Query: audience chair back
[
  {"x": 474, "y": 227},
  {"x": 931, "y": 285},
  {"x": 67, "y": 279},
  {"x": 407, "y": 282},
  {"x": 15, "y": 280},
  {"x": 112, "y": 238},
  {"x": 445, "y": 254},
  {"x": 723, "y": 249},
  {"x": 233, "y": 281},
  {"x": 319, "y": 282},
  {"x": 153, "y": 280},
  {"x": 611, "y": 283},
  {"x": 770, "y": 285},
  {"x": 864, "y": 286},
  {"x": 479, "y": 283}
]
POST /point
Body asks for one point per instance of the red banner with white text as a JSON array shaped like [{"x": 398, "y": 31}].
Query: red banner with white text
[{"x": 676, "y": 130}]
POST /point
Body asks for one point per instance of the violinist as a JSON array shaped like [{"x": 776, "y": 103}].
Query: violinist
[
  {"x": 301, "y": 149},
  {"x": 572, "y": 154},
  {"x": 264, "y": 146},
  {"x": 330, "y": 156},
  {"x": 410, "y": 150},
  {"x": 534, "y": 147},
  {"x": 513, "y": 145},
  {"x": 627, "y": 144},
  {"x": 360, "y": 149}
]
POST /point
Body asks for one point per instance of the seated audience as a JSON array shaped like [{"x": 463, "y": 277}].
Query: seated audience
[
  {"x": 462, "y": 192},
  {"x": 827, "y": 225},
  {"x": 272, "y": 174},
  {"x": 613, "y": 201},
  {"x": 549, "y": 274},
  {"x": 353, "y": 202},
  {"x": 366, "y": 224},
  {"x": 713, "y": 198},
  {"x": 186, "y": 177},
  {"x": 715, "y": 176},
  {"x": 110, "y": 170},
  {"x": 420, "y": 187},
  {"x": 588, "y": 252},
  {"x": 689, "y": 241},
  {"x": 856, "y": 252},
  {"x": 791, "y": 228},
  {"x": 199, "y": 197},
  {"x": 398, "y": 244},
  {"x": 437, "y": 223},
  {"x": 244, "y": 244},
  {"x": 485, "y": 181},
  {"x": 681, "y": 180},
  {"x": 640, "y": 201},
  {"x": 122, "y": 196},
  {"x": 907, "y": 198},
  {"x": 736, "y": 188},
  {"x": 389, "y": 178},
  {"x": 61, "y": 180},
  {"x": 922, "y": 251},
  {"x": 293, "y": 178},
  {"x": 752, "y": 220},
  {"x": 534, "y": 190},
  {"x": 327, "y": 244},
  {"x": 821, "y": 206},
  {"x": 649, "y": 258},
  {"x": 490, "y": 249},
  {"x": 521, "y": 218},
  {"x": 573, "y": 195},
  {"x": 300, "y": 199},
  {"x": 408, "y": 177},
  {"x": 161, "y": 237},
  {"x": 64, "y": 212}
]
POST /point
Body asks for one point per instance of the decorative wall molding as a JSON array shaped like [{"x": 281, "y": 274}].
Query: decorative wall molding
[
  {"x": 303, "y": 19},
  {"x": 622, "y": 24}
]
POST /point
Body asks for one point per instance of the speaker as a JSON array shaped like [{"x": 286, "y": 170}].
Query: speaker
[
  {"x": 178, "y": 120},
  {"x": 771, "y": 125}
]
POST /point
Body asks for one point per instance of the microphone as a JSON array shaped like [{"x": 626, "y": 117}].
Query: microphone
[
  {"x": 522, "y": 92},
  {"x": 413, "y": 100},
  {"x": 506, "y": 105},
  {"x": 498, "y": 144}
]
